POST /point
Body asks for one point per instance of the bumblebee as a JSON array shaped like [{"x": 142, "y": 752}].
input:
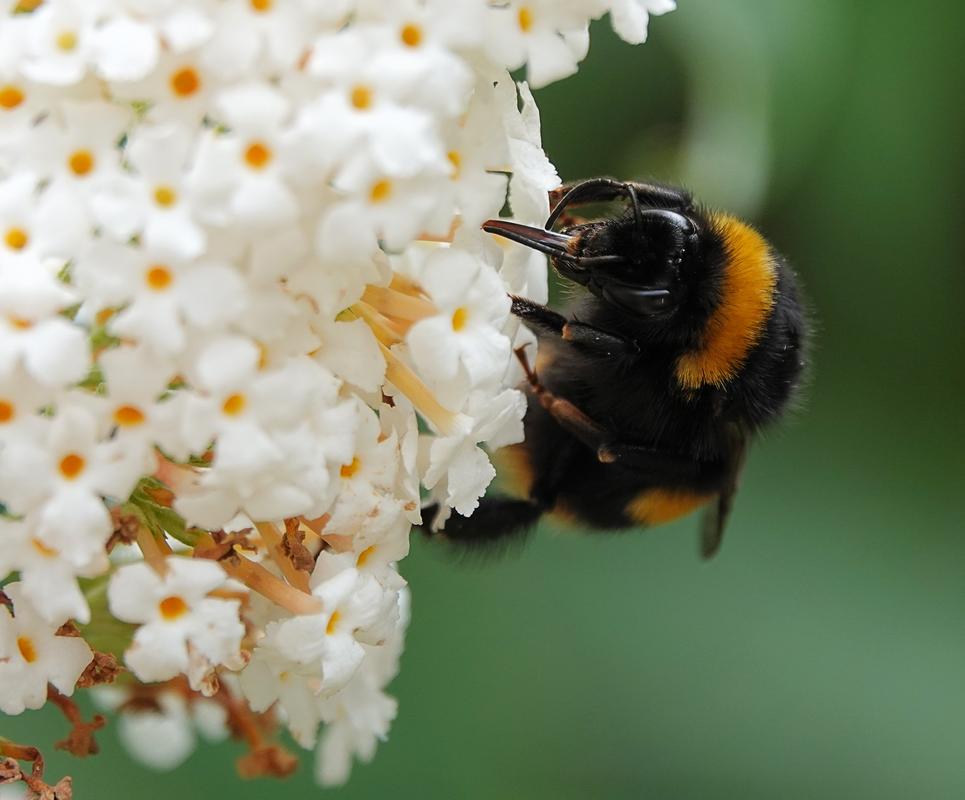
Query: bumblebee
[{"x": 688, "y": 338}]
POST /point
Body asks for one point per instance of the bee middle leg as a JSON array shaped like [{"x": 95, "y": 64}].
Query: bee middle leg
[
  {"x": 578, "y": 333},
  {"x": 657, "y": 465}
]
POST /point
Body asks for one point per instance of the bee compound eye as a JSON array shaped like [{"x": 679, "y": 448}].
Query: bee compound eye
[{"x": 644, "y": 302}]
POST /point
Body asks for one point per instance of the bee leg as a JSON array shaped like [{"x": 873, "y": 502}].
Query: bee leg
[
  {"x": 497, "y": 520},
  {"x": 661, "y": 466},
  {"x": 579, "y": 333},
  {"x": 651, "y": 463},
  {"x": 567, "y": 415}
]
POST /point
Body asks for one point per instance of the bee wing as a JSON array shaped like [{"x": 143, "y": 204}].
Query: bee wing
[{"x": 715, "y": 518}]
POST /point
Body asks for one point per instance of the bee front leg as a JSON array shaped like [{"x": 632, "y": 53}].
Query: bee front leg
[
  {"x": 567, "y": 415},
  {"x": 578, "y": 333}
]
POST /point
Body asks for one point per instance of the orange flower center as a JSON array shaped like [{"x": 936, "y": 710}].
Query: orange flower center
[
  {"x": 128, "y": 416},
  {"x": 172, "y": 607},
  {"x": 81, "y": 162},
  {"x": 10, "y": 97},
  {"x": 411, "y": 35},
  {"x": 71, "y": 466},
  {"x": 17, "y": 238},
  {"x": 261, "y": 5},
  {"x": 349, "y": 470},
  {"x": 6, "y": 411},
  {"x": 365, "y": 555},
  {"x": 185, "y": 82},
  {"x": 159, "y": 277},
  {"x": 257, "y": 155},
  {"x": 20, "y": 322},
  {"x": 26, "y": 647}
]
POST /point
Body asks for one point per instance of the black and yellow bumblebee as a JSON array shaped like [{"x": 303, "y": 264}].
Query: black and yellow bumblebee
[{"x": 689, "y": 337}]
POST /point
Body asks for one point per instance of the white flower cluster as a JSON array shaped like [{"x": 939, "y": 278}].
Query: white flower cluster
[{"x": 240, "y": 249}]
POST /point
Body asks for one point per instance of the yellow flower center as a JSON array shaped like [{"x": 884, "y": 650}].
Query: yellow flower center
[
  {"x": 165, "y": 196},
  {"x": 67, "y": 41},
  {"x": 17, "y": 238},
  {"x": 10, "y": 97},
  {"x": 525, "y": 19},
  {"x": 332, "y": 622},
  {"x": 381, "y": 191},
  {"x": 185, "y": 82},
  {"x": 71, "y": 466},
  {"x": 460, "y": 318},
  {"x": 234, "y": 405},
  {"x": 365, "y": 555},
  {"x": 261, "y": 5},
  {"x": 361, "y": 97},
  {"x": 172, "y": 607},
  {"x": 26, "y": 647},
  {"x": 349, "y": 470},
  {"x": 81, "y": 162},
  {"x": 6, "y": 411},
  {"x": 41, "y": 548},
  {"x": 456, "y": 163}
]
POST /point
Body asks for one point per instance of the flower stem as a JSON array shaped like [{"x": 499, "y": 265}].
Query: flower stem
[
  {"x": 272, "y": 539},
  {"x": 155, "y": 553},
  {"x": 386, "y": 331},
  {"x": 260, "y": 580},
  {"x": 399, "y": 305},
  {"x": 406, "y": 381}
]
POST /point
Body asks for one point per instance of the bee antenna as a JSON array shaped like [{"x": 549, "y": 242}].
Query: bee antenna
[
  {"x": 637, "y": 213},
  {"x": 567, "y": 198}
]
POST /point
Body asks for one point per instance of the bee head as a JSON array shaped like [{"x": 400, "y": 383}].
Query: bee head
[{"x": 639, "y": 262}]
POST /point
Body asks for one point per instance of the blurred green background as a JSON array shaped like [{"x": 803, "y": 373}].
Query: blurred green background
[{"x": 822, "y": 654}]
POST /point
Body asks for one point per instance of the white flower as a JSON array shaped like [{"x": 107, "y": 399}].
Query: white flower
[
  {"x": 360, "y": 714},
  {"x": 31, "y": 656},
  {"x": 463, "y": 347},
  {"x": 499, "y": 422},
  {"x": 134, "y": 381},
  {"x": 362, "y": 110},
  {"x": 47, "y": 223},
  {"x": 157, "y": 197},
  {"x": 161, "y": 293},
  {"x": 237, "y": 176},
  {"x": 326, "y": 646},
  {"x": 631, "y": 17},
  {"x": 539, "y": 33},
  {"x": 163, "y": 737},
  {"x": 176, "y": 617},
  {"x": 47, "y": 579},
  {"x": 60, "y": 40},
  {"x": 64, "y": 474}
]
